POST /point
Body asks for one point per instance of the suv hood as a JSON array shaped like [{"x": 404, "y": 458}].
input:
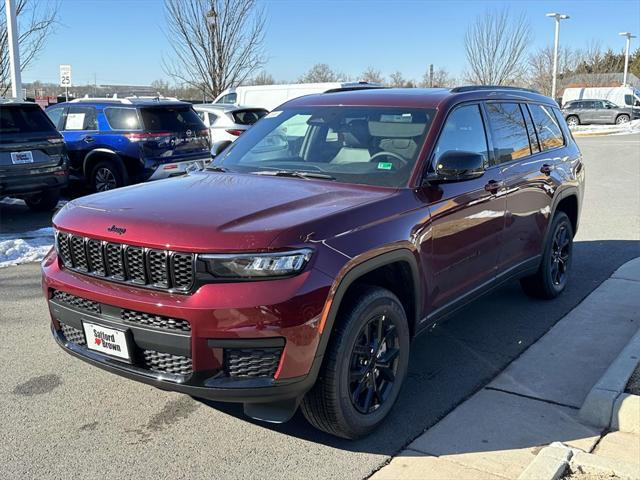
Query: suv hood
[{"x": 210, "y": 212}]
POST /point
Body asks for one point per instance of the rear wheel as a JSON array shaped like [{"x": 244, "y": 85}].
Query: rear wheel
[
  {"x": 620, "y": 119},
  {"x": 106, "y": 175},
  {"x": 364, "y": 366},
  {"x": 573, "y": 121},
  {"x": 44, "y": 201},
  {"x": 551, "y": 278}
]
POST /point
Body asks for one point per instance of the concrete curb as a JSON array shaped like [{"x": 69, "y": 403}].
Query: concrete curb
[
  {"x": 596, "y": 465},
  {"x": 551, "y": 463},
  {"x": 599, "y": 407}
]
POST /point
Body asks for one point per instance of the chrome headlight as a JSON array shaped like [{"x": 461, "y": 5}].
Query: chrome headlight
[{"x": 257, "y": 265}]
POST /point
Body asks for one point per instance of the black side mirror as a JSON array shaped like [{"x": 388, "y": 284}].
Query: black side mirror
[{"x": 457, "y": 166}]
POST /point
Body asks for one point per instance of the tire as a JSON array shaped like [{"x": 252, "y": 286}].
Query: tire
[
  {"x": 106, "y": 175},
  {"x": 551, "y": 278},
  {"x": 621, "y": 119},
  {"x": 337, "y": 403},
  {"x": 573, "y": 121},
  {"x": 45, "y": 201}
]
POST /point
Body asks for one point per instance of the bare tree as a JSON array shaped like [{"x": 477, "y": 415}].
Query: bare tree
[
  {"x": 396, "y": 79},
  {"x": 320, "y": 73},
  {"x": 36, "y": 21},
  {"x": 541, "y": 68},
  {"x": 441, "y": 78},
  {"x": 263, "y": 78},
  {"x": 372, "y": 75},
  {"x": 217, "y": 43},
  {"x": 495, "y": 46}
]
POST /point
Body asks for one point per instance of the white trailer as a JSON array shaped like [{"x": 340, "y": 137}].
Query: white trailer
[{"x": 270, "y": 96}]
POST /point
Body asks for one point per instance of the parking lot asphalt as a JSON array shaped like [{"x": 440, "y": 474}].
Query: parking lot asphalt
[{"x": 62, "y": 418}]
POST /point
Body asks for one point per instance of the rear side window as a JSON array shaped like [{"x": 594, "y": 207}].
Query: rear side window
[
  {"x": 170, "y": 119},
  {"x": 247, "y": 117},
  {"x": 24, "y": 119},
  {"x": 55, "y": 114},
  {"x": 549, "y": 131},
  {"x": 463, "y": 131},
  {"x": 122, "y": 118},
  {"x": 510, "y": 138},
  {"x": 81, "y": 118}
]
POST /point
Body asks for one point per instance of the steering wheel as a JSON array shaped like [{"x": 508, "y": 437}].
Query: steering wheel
[{"x": 390, "y": 154}]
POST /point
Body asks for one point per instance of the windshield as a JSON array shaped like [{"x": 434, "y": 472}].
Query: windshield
[{"x": 367, "y": 145}]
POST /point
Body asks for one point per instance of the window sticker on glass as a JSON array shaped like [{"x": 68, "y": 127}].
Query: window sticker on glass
[
  {"x": 385, "y": 165},
  {"x": 273, "y": 114},
  {"x": 75, "y": 121}
]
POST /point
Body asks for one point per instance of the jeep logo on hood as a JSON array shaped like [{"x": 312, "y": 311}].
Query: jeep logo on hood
[{"x": 118, "y": 230}]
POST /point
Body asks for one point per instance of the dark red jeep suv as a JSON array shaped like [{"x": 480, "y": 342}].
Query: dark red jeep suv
[{"x": 298, "y": 267}]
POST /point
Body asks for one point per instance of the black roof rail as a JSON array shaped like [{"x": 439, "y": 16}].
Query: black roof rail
[
  {"x": 352, "y": 86},
  {"x": 471, "y": 88}
]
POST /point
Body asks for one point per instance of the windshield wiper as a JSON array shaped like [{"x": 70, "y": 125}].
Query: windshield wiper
[{"x": 295, "y": 174}]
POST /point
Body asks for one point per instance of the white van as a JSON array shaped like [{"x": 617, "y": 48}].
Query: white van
[
  {"x": 270, "y": 96},
  {"x": 621, "y": 96}
]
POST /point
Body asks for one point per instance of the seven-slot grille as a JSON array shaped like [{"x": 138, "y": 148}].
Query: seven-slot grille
[{"x": 160, "y": 269}]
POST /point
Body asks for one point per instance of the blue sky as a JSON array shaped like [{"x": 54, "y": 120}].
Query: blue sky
[{"x": 123, "y": 41}]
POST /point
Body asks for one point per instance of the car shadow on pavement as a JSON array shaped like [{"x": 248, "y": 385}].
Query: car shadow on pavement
[{"x": 459, "y": 357}]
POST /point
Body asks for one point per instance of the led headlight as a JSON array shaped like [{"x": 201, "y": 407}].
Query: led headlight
[{"x": 259, "y": 265}]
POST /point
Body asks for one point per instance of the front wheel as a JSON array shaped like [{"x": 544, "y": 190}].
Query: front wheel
[
  {"x": 364, "y": 366},
  {"x": 622, "y": 119},
  {"x": 551, "y": 278}
]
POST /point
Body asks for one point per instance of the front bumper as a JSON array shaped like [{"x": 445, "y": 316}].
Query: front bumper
[
  {"x": 217, "y": 327},
  {"x": 33, "y": 181}
]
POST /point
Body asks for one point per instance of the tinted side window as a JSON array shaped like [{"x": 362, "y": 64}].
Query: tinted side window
[
  {"x": 549, "y": 131},
  {"x": 510, "y": 138},
  {"x": 463, "y": 131},
  {"x": 81, "y": 118},
  {"x": 628, "y": 100},
  {"x": 122, "y": 118}
]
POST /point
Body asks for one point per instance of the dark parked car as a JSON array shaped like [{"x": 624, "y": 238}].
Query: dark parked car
[
  {"x": 33, "y": 158},
  {"x": 298, "y": 267},
  {"x": 579, "y": 112},
  {"x": 117, "y": 142}
]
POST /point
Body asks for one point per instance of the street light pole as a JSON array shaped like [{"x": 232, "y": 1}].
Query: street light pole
[
  {"x": 14, "y": 53},
  {"x": 626, "y": 55},
  {"x": 558, "y": 17}
]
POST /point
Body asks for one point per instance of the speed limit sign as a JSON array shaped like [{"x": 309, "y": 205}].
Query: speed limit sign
[{"x": 65, "y": 75}]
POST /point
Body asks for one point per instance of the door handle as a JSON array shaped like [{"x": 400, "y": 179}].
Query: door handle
[
  {"x": 546, "y": 169},
  {"x": 493, "y": 186},
  {"x": 87, "y": 139}
]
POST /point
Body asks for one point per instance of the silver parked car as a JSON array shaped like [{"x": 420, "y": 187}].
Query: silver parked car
[
  {"x": 579, "y": 112},
  {"x": 227, "y": 122}
]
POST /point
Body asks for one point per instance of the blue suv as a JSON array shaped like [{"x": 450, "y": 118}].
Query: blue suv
[{"x": 117, "y": 142}]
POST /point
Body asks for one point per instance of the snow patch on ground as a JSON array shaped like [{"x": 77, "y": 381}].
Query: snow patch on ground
[
  {"x": 17, "y": 248},
  {"x": 624, "y": 129}
]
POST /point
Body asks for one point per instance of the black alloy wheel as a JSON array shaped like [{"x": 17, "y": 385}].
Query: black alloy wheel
[{"x": 374, "y": 364}]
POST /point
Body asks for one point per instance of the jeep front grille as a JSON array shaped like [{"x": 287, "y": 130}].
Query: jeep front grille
[{"x": 158, "y": 269}]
